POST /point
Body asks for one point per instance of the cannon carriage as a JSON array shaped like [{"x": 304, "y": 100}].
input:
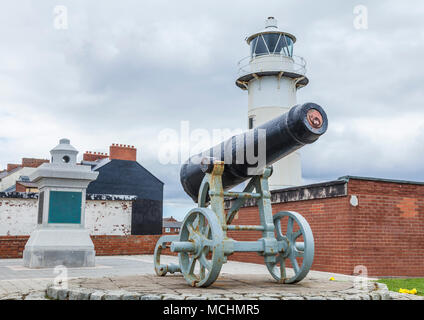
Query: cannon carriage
[{"x": 203, "y": 244}]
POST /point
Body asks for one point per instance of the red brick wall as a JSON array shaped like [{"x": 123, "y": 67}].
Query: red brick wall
[
  {"x": 385, "y": 232},
  {"x": 19, "y": 187},
  {"x": 93, "y": 156},
  {"x": 33, "y": 163},
  {"x": 124, "y": 245},
  {"x": 388, "y": 233},
  {"x": 328, "y": 219},
  {"x": 13, "y": 246}
]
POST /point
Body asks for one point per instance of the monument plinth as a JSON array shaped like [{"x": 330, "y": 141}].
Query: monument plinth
[{"x": 60, "y": 237}]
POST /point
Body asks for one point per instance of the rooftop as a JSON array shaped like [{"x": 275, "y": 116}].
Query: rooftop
[{"x": 171, "y": 222}]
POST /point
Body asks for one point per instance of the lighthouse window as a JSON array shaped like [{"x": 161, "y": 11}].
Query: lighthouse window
[
  {"x": 253, "y": 46},
  {"x": 279, "y": 45},
  {"x": 261, "y": 48},
  {"x": 288, "y": 46},
  {"x": 271, "y": 43},
  {"x": 271, "y": 40}
]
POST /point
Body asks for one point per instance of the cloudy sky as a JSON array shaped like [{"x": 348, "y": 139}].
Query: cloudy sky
[{"x": 123, "y": 71}]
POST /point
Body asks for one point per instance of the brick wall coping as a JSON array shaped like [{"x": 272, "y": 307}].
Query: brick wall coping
[
  {"x": 322, "y": 190},
  {"x": 19, "y": 195},
  {"x": 347, "y": 178},
  {"x": 33, "y": 195},
  {"x": 112, "y": 197}
]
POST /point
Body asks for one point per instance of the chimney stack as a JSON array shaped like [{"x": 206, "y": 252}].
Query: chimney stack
[
  {"x": 11, "y": 166},
  {"x": 122, "y": 152},
  {"x": 94, "y": 156},
  {"x": 33, "y": 163}
]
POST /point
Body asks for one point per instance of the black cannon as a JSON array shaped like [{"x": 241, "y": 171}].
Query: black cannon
[
  {"x": 303, "y": 124},
  {"x": 203, "y": 244}
]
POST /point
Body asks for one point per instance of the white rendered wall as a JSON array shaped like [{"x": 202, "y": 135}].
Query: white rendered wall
[
  {"x": 108, "y": 217},
  {"x": 287, "y": 172},
  {"x": 10, "y": 180},
  {"x": 19, "y": 216},
  {"x": 265, "y": 92},
  {"x": 269, "y": 98}
]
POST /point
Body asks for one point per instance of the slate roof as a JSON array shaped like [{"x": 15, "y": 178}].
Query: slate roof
[
  {"x": 171, "y": 224},
  {"x": 11, "y": 171},
  {"x": 10, "y": 189},
  {"x": 124, "y": 177}
]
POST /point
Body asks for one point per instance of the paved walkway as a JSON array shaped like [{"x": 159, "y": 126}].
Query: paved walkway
[
  {"x": 18, "y": 281},
  {"x": 120, "y": 277}
]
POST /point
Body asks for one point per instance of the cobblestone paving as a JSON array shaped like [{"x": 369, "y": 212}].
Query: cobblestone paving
[
  {"x": 227, "y": 287},
  {"x": 131, "y": 278}
]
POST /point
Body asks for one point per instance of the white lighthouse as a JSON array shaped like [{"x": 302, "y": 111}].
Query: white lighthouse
[{"x": 272, "y": 75}]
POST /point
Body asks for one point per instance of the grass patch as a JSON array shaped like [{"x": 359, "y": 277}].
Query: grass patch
[{"x": 410, "y": 283}]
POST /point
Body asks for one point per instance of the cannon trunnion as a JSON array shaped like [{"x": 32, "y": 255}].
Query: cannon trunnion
[{"x": 203, "y": 244}]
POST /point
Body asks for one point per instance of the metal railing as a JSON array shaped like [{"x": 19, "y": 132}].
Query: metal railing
[{"x": 299, "y": 64}]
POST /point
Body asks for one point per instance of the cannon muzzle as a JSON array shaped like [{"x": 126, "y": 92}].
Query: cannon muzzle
[{"x": 247, "y": 154}]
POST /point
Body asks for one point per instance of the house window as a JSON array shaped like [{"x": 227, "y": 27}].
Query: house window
[{"x": 167, "y": 230}]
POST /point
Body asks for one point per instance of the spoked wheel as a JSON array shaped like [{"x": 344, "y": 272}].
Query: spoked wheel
[
  {"x": 299, "y": 253},
  {"x": 202, "y": 264}
]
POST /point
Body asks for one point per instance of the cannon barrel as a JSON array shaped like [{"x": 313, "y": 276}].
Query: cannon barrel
[{"x": 302, "y": 124}]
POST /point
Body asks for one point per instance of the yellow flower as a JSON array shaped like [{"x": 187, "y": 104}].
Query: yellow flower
[
  {"x": 413, "y": 291},
  {"x": 332, "y": 279}
]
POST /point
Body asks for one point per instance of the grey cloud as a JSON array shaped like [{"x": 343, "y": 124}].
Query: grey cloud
[{"x": 125, "y": 70}]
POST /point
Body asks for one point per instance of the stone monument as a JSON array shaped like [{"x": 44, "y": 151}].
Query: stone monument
[{"x": 60, "y": 237}]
